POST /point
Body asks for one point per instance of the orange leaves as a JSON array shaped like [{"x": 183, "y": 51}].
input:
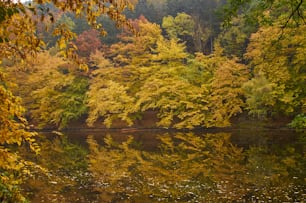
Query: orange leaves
[
  {"x": 88, "y": 42},
  {"x": 136, "y": 50},
  {"x": 227, "y": 96}
]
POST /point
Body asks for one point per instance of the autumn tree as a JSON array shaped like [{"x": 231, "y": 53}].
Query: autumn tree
[
  {"x": 226, "y": 99},
  {"x": 119, "y": 76},
  {"x": 274, "y": 53},
  {"x": 108, "y": 94},
  {"x": 136, "y": 50},
  {"x": 53, "y": 93},
  {"x": 170, "y": 88},
  {"x": 88, "y": 42},
  {"x": 152, "y": 73}
]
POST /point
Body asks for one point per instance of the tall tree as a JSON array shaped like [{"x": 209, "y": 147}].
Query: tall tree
[
  {"x": 205, "y": 17},
  {"x": 88, "y": 42},
  {"x": 235, "y": 38},
  {"x": 227, "y": 99},
  {"x": 181, "y": 27}
]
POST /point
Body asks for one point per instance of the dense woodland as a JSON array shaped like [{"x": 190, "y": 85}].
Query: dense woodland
[
  {"x": 179, "y": 61},
  {"x": 197, "y": 63}
]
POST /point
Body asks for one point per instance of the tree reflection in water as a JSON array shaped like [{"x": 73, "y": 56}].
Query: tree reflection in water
[{"x": 190, "y": 168}]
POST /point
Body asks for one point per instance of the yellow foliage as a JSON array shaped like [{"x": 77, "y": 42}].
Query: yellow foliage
[
  {"x": 169, "y": 51},
  {"x": 278, "y": 54},
  {"x": 13, "y": 131},
  {"x": 19, "y": 34},
  {"x": 173, "y": 97},
  {"x": 108, "y": 99},
  {"x": 181, "y": 164},
  {"x": 226, "y": 98}
]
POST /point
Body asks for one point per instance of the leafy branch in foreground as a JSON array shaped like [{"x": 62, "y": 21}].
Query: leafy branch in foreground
[
  {"x": 18, "y": 22},
  {"x": 13, "y": 131},
  {"x": 294, "y": 11}
]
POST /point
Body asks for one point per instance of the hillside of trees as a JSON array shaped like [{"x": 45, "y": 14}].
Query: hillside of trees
[{"x": 179, "y": 60}]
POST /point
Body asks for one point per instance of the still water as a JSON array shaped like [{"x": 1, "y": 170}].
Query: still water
[{"x": 170, "y": 166}]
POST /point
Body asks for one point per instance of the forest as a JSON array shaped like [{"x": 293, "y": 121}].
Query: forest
[
  {"x": 183, "y": 65},
  {"x": 187, "y": 64}
]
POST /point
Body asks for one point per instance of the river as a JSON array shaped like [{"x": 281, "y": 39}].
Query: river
[{"x": 242, "y": 165}]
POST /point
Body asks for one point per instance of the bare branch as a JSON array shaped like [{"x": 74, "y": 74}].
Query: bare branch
[{"x": 296, "y": 10}]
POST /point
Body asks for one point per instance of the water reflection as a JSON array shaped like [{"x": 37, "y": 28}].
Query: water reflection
[
  {"x": 63, "y": 176},
  {"x": 179, "y": 167},
  {"x": 190, "y": 168}
]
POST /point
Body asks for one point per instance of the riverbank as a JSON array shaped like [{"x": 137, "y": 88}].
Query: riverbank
[{"x": 149, "y": 119}]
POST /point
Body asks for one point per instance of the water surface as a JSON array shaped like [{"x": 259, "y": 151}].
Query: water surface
[{"x": 169, "y": 166}]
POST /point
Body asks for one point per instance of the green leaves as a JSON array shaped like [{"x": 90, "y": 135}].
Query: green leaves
[
  {"x": 181, "y": 25},
  {"x": 7, "y": 12},
  {"x": 299, "y": 122},
  {"x": 61, "y": 103},
  {"x": 260, "y": 96}
]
